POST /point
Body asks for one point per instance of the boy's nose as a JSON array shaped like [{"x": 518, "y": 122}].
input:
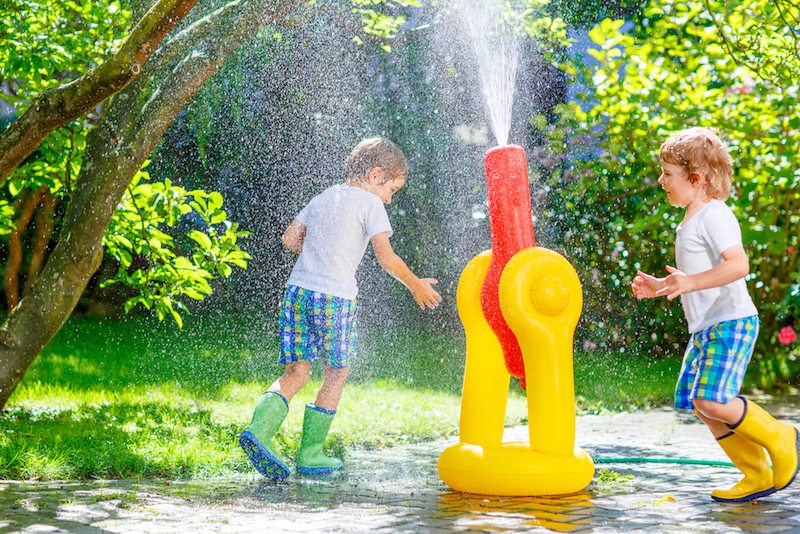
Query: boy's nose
[{"x": 661, "y": 179}]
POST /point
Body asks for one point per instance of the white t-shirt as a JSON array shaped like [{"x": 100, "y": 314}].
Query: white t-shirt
[
  {"x": 698, "y": 247},
  {"x": 339, "y": 224}
]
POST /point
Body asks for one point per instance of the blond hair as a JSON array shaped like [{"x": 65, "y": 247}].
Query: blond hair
[
  {"x": 371, "y": 153},
  {"x": 700, "y": 150}
]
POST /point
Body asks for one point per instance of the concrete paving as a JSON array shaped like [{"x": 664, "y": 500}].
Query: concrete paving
[{"x": 398, "y": 490}]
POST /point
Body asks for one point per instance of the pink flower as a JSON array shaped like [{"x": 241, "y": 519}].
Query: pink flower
[{"x": 787, "y": 335}]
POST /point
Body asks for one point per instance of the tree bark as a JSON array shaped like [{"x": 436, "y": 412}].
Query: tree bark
[
  {"x": 136, "y": 118},
  {"x": 75, "y": 99}
]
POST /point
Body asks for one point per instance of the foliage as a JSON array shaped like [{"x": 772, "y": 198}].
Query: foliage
[
  {"x": 668, "y": 73},
  {"x": 44, "y": 44},
  {"x": 586, "y": 13},
  {"x": 381, "y": 24},
  {"x": 538, "y": 23},
  {"x": 791, "y": 307},
  {"x": 763, "y": 35},
  {"x": 137, "y": 230}
]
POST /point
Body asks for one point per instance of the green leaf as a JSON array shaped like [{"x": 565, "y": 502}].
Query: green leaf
[
  {"x": 214, "y": 201},
  {"x": 219, "y": 216},
  {"x": 238, "y": 262},
  {"x": 224, "y": 269},
  {"x": 202, "y": 239}
]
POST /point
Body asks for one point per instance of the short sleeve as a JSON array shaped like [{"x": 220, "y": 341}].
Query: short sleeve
[
  {"x": 305, "y": 213},
  {"x": 722, "y": 229},
  {"x": 376, "y": 219}
]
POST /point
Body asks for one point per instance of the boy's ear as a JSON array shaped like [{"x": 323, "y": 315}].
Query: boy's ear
[
  {"x": 375, "y": 174},
  {"x": 695, "y": 177}
]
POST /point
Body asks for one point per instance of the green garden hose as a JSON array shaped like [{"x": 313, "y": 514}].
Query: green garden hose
[{"x": 640, "y": 460}]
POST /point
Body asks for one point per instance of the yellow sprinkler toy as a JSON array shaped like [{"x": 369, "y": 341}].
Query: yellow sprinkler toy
[{"x": 519, "y": 305}]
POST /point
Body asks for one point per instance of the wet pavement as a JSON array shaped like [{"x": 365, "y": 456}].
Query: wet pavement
[{"x": 398, "y": 490}]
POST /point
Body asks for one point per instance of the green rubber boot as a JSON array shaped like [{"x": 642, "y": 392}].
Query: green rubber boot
[
  {"x": 310, "y": 458},
  {"x": 256, "y": 440}
]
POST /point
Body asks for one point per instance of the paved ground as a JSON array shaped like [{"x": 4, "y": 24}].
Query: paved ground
[{"x": 398, "y": 490}]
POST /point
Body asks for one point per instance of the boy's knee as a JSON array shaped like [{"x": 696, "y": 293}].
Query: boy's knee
[
  {"x": 708, "y": 408},
  {"x": 298, "y": 370}
]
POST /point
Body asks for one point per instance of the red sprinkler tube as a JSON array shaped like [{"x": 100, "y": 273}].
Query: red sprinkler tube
[{"x": 511, "y": 223}]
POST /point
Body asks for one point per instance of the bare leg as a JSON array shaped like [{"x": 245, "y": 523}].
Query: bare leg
[
  {"x": 295, "y": 377},
  {"x": 717, "y": 428},
  {"x": 730, "y": 412},
  {"x": 332, "y": 386}
]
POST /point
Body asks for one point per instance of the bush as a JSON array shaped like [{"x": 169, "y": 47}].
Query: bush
[{"x": 668, "y": 72}]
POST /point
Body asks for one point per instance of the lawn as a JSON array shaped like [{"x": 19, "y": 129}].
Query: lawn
[{"x": 138, "y": 398}]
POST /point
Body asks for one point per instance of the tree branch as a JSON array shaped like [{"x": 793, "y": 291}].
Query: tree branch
[
  {"x": 70, "y": 101},
  {"x": 44, "y": 230},
  {"x": 28, "y": 207}
]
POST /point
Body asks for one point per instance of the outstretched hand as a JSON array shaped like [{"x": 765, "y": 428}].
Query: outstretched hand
[
  {"x": 425, "y": 295},
  {"x": 645, "y": 286},
  {"x": 676, "y": 284}
]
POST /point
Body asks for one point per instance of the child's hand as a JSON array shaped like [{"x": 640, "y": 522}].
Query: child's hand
[
  {"x": 424, "y": 294},
  {"x": 676, "y": 284},
  {"x": 646, "y": 286}
]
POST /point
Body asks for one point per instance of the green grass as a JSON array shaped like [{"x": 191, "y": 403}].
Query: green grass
[
  {"x": 138, "y": 398},
  {"x": 621, "y": 382}
]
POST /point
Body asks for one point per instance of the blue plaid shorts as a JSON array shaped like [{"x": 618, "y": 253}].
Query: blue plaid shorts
[
  {"x": 314, "y": 323},
  {"x": 715, "y": 361}
]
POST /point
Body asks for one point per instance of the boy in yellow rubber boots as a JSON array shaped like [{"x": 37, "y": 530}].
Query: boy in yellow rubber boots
[
  {"x": 319, "y": 312},
  {"x": 723, "y": 322}
]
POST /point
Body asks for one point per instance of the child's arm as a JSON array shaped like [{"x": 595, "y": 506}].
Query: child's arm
[
  {"x": 393, "y": 264},
  {"x": 734, "y": 266},
  {"x": 293, "y": 236}
]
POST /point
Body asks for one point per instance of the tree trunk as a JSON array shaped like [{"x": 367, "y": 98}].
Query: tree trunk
[{"x": 115, "y": 150}]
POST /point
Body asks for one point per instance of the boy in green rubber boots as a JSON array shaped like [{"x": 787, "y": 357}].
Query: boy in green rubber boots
[
  {"x": 319, "y": 312},
  {"x": 723, "y": 322}
]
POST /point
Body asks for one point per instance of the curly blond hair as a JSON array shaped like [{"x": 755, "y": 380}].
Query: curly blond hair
[{"x": 700, "y": 150}]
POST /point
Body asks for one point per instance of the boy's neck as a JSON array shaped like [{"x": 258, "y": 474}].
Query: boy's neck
[{"x": 696, "y": 205}]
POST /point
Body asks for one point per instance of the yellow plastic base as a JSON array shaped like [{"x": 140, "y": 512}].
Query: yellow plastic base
[{"x": 514, "y": 469}]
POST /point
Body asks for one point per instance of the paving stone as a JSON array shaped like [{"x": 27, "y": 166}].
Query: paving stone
[{"x": 398, "y": 490}]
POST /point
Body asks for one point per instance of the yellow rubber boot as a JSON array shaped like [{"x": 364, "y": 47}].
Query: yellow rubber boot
[
  {"x": 780, "y": 439},
  {"x": 751, "y": 459}
]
